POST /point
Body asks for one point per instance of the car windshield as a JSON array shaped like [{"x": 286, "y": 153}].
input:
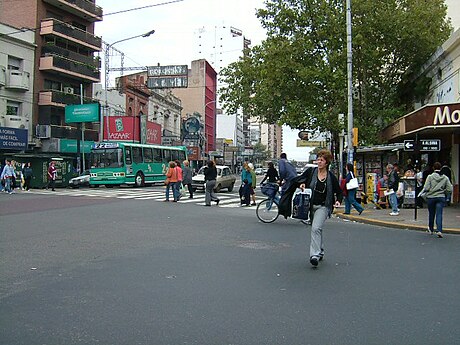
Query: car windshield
[{"x": 201, "y": 171}]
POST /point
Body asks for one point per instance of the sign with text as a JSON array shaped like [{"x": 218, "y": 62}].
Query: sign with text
[
  {"x": 13, "y": 138},
  {"x": 167, "y": 82},
  {"x": 425, "y": 145},
  {"x": 306, "y": 143},
  {"x": 127, "y": 128},
  {"x": 167, "y": 77},
  {"x": 172, "y": 70},
  {"x": 82, "y": 113}
]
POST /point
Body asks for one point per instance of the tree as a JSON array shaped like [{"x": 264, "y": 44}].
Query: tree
[
  {"x": 297, "y": 76},
  {"x": 260, "y": 152}
]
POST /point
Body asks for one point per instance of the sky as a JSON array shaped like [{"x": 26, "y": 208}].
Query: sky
[{"x": 175, "y": 22}]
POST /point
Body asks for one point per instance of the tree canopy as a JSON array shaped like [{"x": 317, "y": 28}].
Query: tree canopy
[{"x": 298, "y": 75}]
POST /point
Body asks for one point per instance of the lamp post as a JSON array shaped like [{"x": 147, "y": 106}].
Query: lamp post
[
  {"x": 350, "y": 85},
  {"x": 109, "y": 46}
]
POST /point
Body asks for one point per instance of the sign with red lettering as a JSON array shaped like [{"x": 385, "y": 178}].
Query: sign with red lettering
[
  {"x": 122, "y": 128},
  {"x": 153, "y": 133}
]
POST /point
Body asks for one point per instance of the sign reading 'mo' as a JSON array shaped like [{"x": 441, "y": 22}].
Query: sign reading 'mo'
[
  {"x": 445, "y": 116},
  {"x": 82, "y": 113}
]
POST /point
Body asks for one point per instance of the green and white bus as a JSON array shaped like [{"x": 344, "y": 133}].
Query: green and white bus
[{"x": 117, "y": 163}]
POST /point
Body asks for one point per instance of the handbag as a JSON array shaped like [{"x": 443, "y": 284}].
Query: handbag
[
  {"x": 301, "y": 206},
  {"x": 166, "y": 181},
  {"x": 353, "y": 183},
  {"x": 182, "y": 190}
]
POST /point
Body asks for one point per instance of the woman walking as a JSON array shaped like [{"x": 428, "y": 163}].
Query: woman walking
[
  {"x": 28, "y": 173},
  {"x": 350, "y": 198},
  {"x": 210, "y": 176},
  {"x": 436, "y": 188},
  {"x": 246, "y": 179},
  {"x": 171, "y": 180},
  {"x": 187, "y": 178},
  {"x": 326, "y": 194}
]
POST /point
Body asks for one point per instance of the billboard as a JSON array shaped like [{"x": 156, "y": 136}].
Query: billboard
[
  {"x": 13, "y": 138},
  {"x": 127, "y": 128},
  {"x": 82, "y": 113}
]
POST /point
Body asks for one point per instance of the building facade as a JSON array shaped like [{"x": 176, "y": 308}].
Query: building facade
[
  {"x": 17, "y": 57},
  {"x": 66, "y": 66}
]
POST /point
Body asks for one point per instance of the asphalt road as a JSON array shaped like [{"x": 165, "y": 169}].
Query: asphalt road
[{"x": 92, "y": 270}]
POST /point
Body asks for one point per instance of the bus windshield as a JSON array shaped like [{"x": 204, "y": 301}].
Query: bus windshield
[{"x": 108, "y": 158}]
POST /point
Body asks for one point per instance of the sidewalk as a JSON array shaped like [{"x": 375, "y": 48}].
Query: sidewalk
[{"x": 406, "y": 218}]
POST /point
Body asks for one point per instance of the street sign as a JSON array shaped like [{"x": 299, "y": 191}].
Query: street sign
[
  {"x": 409, "y": 145},
  {"x": 161, "y": 71},
  {"x": 430, "y": 145},
  {"x": 167, "y": 77},
  {"x": 425, "y": 145},
  {"x": 82, "y": 113},
  {"x": 306, "y": 143}
]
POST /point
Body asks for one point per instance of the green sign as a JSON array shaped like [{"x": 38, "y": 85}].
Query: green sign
[
  {"x": 82, "y": 113},
  {"x": 70, "y": 146}
]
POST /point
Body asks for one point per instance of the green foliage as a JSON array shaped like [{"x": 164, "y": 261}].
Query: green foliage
[
  {"x": 260, "y": 152},
  {"x": 298, "y": 75}
]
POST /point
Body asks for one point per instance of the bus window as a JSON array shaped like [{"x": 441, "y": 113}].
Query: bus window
[
  {"x": 181, "y": 155},
  {"x": 157, "y": 155},
  {"x": 174, "y": 155},
  {"x": 128, "y": 157},
  {"x": 166, "y": 155},
  {"x": 148, "y": 155},
  {"x": 137, "y": 154}
]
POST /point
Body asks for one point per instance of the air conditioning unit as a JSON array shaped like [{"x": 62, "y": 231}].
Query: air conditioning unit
[
  {"x": 14, "y": 121},
  {"x": 68, "y": 90},
  {"x": 43, "y": 131}
]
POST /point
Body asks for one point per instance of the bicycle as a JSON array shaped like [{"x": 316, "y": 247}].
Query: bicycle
[{"x": 267, "y": 209}]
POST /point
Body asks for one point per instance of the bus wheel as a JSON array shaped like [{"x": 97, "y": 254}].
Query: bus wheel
[{"x": 139, "y": 181}]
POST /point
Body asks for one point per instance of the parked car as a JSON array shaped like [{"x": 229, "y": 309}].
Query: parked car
[
  {"x": 82, "y": 180},
  {"x": 259, "y": 171},
  {"x": 225, "y": 179}
]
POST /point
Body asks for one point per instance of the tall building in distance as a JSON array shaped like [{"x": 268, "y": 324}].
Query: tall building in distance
[{"x": 65, "y": 64}]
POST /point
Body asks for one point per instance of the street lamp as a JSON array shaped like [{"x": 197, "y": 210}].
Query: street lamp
[{"x": 106, "y": 81}]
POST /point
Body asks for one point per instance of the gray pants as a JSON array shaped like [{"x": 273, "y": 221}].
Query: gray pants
[
  {"x": 210, "y": 195},
  {"x": 317, "y": 244}
]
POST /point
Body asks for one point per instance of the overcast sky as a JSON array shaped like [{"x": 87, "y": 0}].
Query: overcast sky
[{"x": 174, "y": 24}]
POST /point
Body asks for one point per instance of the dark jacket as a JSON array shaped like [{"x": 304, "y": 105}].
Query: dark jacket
[
  {"x": 210, "y": 173},
  {"x": 309, "y": 177},
  {"x": 393, "y": 180}
]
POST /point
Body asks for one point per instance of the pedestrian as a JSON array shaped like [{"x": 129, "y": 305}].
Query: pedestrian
[
  {"x": 253, "y": 185},
  {"x": 350, "y": 198},
  {"x": 187, "y": 178},
  {"x": 210, "y": 176},
  {"x": 170, "y": 182},
  {"x": 179, "y": 179},
  {"x": 246, "y": 180},
  {"x": 28, "y": 174},
  {"x": 7, "y": 175},
  {"x": 436, "y": 188},
  {"x": 52, "y": 174},
  {"x": 13, "y": 179},
  {"x": 447, "y": 171},
  {"x": 287, "y": 172},
  {"x": 393, "y": 185},
  {"x": 326, "y": 194},
  {"x": 271, "y": 174}
]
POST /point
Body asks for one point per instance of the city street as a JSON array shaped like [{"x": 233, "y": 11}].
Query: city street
[{"x": 119, "y": 266}]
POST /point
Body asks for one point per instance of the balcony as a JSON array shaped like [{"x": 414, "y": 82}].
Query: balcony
[
  {"x": 61, "y": 99},
  {"x": 82, "y": 8},
  {"x": 2, "y": 75},
  {"x": 68, "y": 132},
  {"x": 53, "y": 50},
  {"x": 60, "y": 29},
  {"x": 73, "y": 69},
  {"x": 17, "y": 80}
]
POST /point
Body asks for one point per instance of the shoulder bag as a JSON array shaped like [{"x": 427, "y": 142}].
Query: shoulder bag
[{"x": 353, "y": 183}]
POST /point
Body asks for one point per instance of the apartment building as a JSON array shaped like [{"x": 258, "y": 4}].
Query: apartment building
[{"x": 66, "y": 65}]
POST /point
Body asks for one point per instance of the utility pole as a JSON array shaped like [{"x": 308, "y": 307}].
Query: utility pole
[{"x": 350, "y": 85}]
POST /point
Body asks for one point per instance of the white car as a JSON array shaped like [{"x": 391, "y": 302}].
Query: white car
[
  {"x": 259, "y": 171},
  {"x": 225, "y": 179},
  {"x": 82, "y": 180}
]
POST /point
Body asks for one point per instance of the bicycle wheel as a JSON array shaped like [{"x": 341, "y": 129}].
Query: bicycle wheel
[{"x": 267, "y": 211}]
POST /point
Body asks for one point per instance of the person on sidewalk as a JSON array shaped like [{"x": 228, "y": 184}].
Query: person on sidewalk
[
  {"x": 171, "y": 181},
  {"x": 52, "y": 174},
  {"x": 210, "y": 176},
  {"x": 393, "y": 184},
  {"x": 28, "y": 173},
  {"x": 350, "y": 198},
  {"x": 187, "y": 178},
  {"x": 436, "y": 188},
  {"x": 7, "y": 176},
  {"x": 326, "y": 194},
  {"x": 253, "y": 185},
  {"x": 447, "y": 171}
]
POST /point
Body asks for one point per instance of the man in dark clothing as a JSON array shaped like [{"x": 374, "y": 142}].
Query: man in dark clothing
[{"x": 447, "y": 171}]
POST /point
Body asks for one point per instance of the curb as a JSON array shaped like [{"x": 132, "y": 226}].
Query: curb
[{"x": 395, "y": 225}]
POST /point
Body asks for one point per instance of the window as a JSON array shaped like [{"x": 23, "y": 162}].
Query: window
[
  {"x": 79, "y": 26},
  {"x": 128, "y": 155},
  {"x": 148, "y": 155},
  {"x": 137, "y": 154},
  {"x": 166, "y": 155},
  {"x": 157, "y": 155},
  {"x": 52, "y": 85},
  {"x": 14, "y": 63},
  {"x": 13, "y": 108}
]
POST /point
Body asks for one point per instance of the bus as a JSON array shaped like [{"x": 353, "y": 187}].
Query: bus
[{"x": 117, "y": 163}]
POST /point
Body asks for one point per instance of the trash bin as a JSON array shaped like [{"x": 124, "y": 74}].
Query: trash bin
[{"x": 409, "y": 192}]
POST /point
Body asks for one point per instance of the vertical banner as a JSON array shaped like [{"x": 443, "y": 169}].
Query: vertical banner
[
  {"x": 153, "y": 133},
  {"x": 122, "y": 128}
]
